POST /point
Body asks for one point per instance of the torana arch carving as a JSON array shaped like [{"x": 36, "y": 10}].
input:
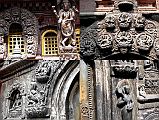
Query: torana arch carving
[{"x": 122, "y": 31}]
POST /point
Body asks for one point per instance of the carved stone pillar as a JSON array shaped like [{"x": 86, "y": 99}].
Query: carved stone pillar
[
  {"x": 86, "y": 92},
  {"x": 2, "y": 47},
  {"x": 102, "y": 88}
]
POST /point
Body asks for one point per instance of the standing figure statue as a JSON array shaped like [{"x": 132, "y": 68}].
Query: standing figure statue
[{"x": 66, "y": 24}]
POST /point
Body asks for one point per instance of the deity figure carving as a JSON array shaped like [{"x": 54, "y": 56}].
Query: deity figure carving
[
  {"x": 43, "y": 72},
  {"x": 37, "y": 101},
  {"x": 36, "y": 97},
  {"x": 124, "y": 102},
  {"x": 15, "y": 101},
  {"x": 139, "y": 22},
  {"x": 110, "y": 21},
  {"x": 66, "y": 21},
  {"x": 124, "y": 21}
]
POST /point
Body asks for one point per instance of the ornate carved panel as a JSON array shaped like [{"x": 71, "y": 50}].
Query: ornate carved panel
[
  {"x": 37, "y": 99},
  {"x": 122, "y": 31},
  {"x": 29, "y": 24}
]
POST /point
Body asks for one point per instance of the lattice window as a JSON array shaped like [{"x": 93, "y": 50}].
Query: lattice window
[
  {"x": 78, "y": 39},
  {"x": 15, "y": 37},
  {"x": 12, "y": 39},
  {"x": 50, "y": 44}
]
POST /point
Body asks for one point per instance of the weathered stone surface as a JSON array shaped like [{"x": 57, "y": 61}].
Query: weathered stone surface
[
  {"x": 40, "y": 90},
  {"x": 124, "y": 31},
  {"x": 119, "y": 91}
]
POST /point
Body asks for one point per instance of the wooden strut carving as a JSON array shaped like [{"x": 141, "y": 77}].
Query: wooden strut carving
[{"x": 66, "y": 30}]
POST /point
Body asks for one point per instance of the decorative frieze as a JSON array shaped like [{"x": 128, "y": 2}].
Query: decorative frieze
[{"x": 124, "y": 69}]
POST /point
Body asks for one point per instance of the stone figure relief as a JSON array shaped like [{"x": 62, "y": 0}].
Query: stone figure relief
[
  {"x": 14, "y": 101},
  {"x": 125, "y": 21},
  {"x": 124, "y": 101},
  {"x": 131, "y": 33},
  {"x": 37, "y": 98},
  {"x": 43, "y": 72}
]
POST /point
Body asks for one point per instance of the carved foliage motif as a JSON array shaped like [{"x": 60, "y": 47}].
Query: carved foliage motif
[
  {"x": 29, "y": 24},
  {"x": 104, "y": 40},
  {"x": 145, "y": 41},
  {"x": 2, "y": 47},
  {"x": 87, "y": 46},
  {"x": 123, "y": 40}
]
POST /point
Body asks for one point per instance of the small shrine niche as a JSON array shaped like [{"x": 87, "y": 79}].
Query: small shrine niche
[{"x": 15, "y": 100}]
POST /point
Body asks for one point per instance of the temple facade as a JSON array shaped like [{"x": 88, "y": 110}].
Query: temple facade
[{"x": 39, "y": 29}]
